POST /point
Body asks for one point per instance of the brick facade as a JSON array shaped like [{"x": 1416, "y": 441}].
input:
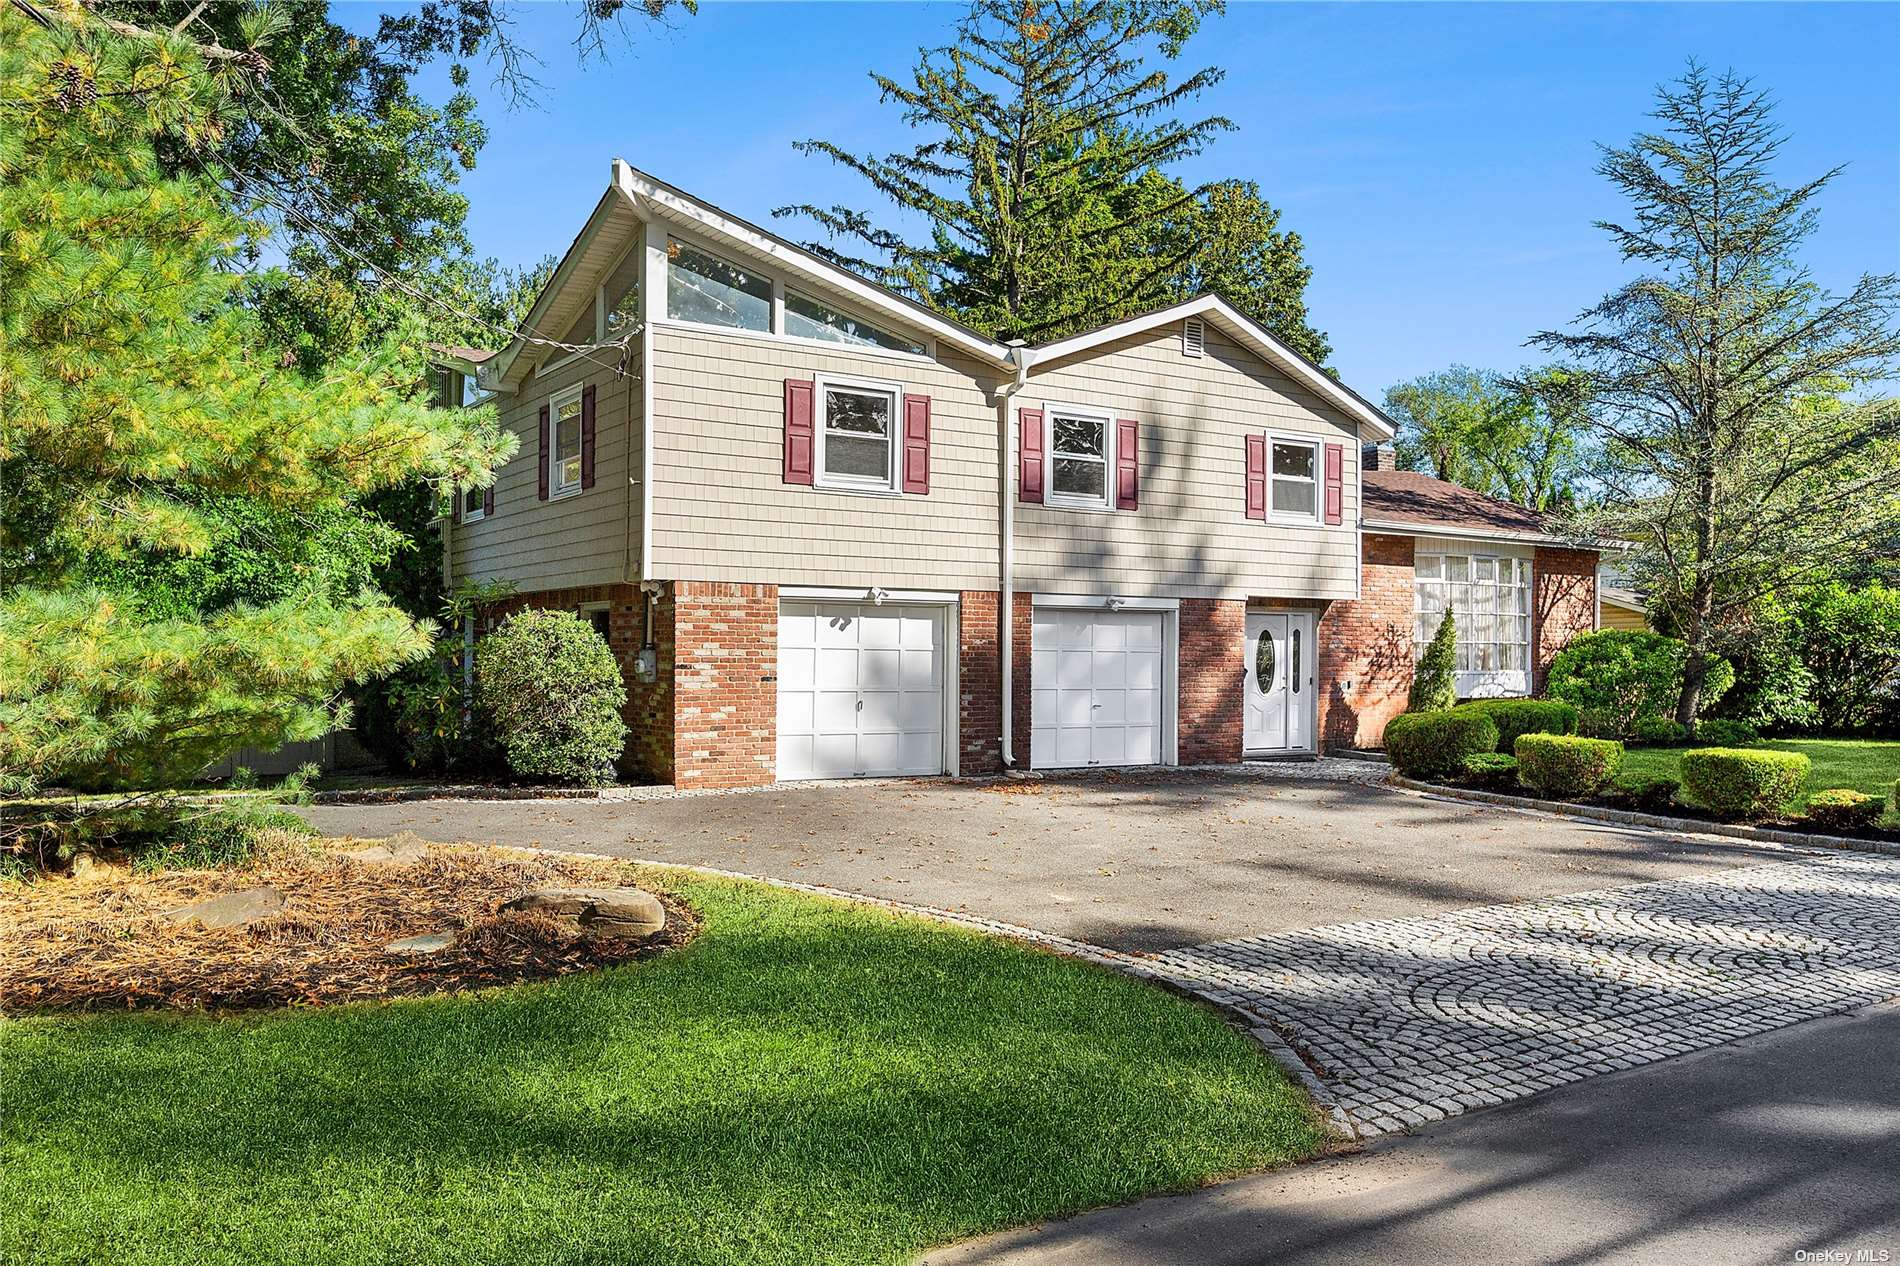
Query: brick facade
[
  {"x": 1365, "y": 648},
  {"x": 1563, "y": 603},
  {"x": 725, "y": 684},
  {"x": 979, "y": 684},
  {"x": 1212, "y": 680}
]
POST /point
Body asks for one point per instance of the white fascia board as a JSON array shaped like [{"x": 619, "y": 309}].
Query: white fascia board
[
  {"x": 1250, "y": 332},
  {"x": 1383, "y": 528},
  {"x": 1100, "y": 602},
  {"x": 836, "y": 593},
  {"x": 653, "y": 198}
]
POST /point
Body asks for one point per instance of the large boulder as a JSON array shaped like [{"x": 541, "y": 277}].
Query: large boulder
[
  {"x": 232, "y": 910},
  {"x": 597, "y": 913}
]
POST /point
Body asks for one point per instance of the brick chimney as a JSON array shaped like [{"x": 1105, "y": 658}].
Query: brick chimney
[{"x": 1378, "y": 457}]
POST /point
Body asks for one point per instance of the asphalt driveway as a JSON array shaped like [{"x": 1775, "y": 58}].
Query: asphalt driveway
[{"x": 1142, "y": 862}]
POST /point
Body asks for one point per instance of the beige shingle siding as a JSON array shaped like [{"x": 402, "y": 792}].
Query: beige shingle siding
[
  {"x": 1191, "y": 536},
  {"x": 580, "y": 539},
  {"x": 723, "y": 512}
]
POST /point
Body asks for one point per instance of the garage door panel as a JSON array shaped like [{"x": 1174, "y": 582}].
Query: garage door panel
[
  {"x": 797, "y": 629},
  {"x": 836, "y": 710},
  {"x": 921, "y": 710},
  {"x": 919, "y": 671},
  {"x": 1109, "y": 668},
  {"x": 861, "y": 690},
  {"x": 1143, "y": 707},
  {"x": 1144, "y": 670},
  {"x": 1074, "y": 746},
  {"x": 880, "y": 669},
  {"x": 1145, "y": 635},
  {"x": 837, "y": 668},
  {"x": 1072, "y": 670},
  {"x": 878, "y": 710},
  {"x": 1074, "y": 707},
  {"x": 1105, "y": 745},
  {"x": 1143, "y": 744},
  {"x": 1111, "y": 707},
  {"x": 1099, "y": 678},
  {"x": 919, "y": 753},
  {"x": 836, "y": 755}
]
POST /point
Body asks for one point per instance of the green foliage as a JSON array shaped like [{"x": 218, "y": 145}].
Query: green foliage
[
  {"x": 1844, "y": 811},
  {"x": 1565, "y": 767},
  {"x": 1774, "y": 688},
  {"x": 1614, "y": 677},
  {"x": 147, "y": 420},
  {"x": 1851, "y": 645},
  {"x": 1497, "y": 770},
  {"x": 1646, "y": 795},
  {"x": 225, "y": 834},
  {"x": 1435, "y": 678},
  {"x": 1521, "y": 439},
  {"x": 1435, "y": 744},
  {"x": 551, "y": 688},
  {"x": 1736, "y": 783},
  {"x": 1746, "y": 443},
  {"x": 1659, "y": 731},
  {"x": 1720, "y": 733},
  {"x": 1524, "y": 716}
]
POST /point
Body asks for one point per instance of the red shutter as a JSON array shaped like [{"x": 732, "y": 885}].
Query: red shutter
[
  {"x": 488, "y": 501},
  {"x": 455, "y": 507},
  {"x": 1029, "y": 450},
  {"x": 587, "y": 436},
  {"x": 917, "y": 444},
  {"x": 1127, "y": 465},
  {"x": 541, "y": 478},
  {"x": 798, "y": 430},
  {"x": 1335, "y": 483},
  {"x": 1257, "y": 477}
]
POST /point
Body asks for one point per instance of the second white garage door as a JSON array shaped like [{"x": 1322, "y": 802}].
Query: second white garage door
[
  {"x": 860, "y": 689},
  {"x": 1096, "y": 680}
]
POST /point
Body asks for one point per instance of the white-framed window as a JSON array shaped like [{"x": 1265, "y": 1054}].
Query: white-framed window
[
  {"x": 564, "y": 443},
  {"x": 1490, "y": 596},
  {"x": 856, "y": 434},
  {"x": 611, "y": 314},
  {"x": 806, "y": 317},
  {"x": 1080, "y": 444},
  {"x": 599, "y": 616},
  {"x": 706, "y": 289},
  {"x": 1293, "y": 478},
  {"x": 474, "y": 504}
]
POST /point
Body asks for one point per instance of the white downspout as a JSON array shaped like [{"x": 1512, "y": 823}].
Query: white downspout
[{"x": 1020, "y": 356}]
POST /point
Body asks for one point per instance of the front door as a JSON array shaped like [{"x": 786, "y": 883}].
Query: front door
[{"x": 1278, "y": 655}]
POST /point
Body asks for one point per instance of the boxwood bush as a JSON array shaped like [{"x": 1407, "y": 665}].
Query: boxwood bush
[
  {"x": 551, "y": 689},
  {"x": 1564, "y": 766},
  {"x": 1844, "y": 810},
  {"x": 1524, "y": 716},
  {"x": 1659, "y": 732},
  {"x": 1496, "y": 771},
  {"x": 1744, "y": 784},
  {"x": 1435, "y": 744}
]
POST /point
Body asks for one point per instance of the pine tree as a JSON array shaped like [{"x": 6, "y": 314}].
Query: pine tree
[
  {"x": 135, "y": 394},
  {"x": 1435, "y": 680}
]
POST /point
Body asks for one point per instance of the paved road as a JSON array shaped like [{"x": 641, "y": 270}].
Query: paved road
[
  {"x": 1143, "y": 863},
  {"x": 1746, "y": 1153}
]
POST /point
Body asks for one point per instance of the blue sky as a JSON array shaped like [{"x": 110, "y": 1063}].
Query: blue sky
[{"x": 1437, "y": 160}]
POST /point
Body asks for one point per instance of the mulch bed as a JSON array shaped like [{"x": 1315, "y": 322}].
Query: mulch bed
[{"x": 99, "y": 941}]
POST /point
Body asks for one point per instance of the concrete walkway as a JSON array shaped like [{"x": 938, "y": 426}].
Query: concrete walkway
[{"x": 1751, "y": 1152}]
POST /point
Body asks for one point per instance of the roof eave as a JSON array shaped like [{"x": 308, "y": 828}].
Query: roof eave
[{"x": 1396, "y": 527}]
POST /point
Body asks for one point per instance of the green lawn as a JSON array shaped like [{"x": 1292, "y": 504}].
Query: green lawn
[
  {"x": 1868, "y": 765},
  {"x": 807, "y": 1082}
]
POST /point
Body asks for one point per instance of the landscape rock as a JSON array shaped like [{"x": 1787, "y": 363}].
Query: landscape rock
[
  {"x": 421, "y": 946},
  {"x": 232, "y": 910},
  {"x": 598, "y": 913},
  {"x": 400, "y": 849}
]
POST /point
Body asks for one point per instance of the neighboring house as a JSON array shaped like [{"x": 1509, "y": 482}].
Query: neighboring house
[
  {"x": 791, "y": 498},
  {"x": 1622, "y": 607}
]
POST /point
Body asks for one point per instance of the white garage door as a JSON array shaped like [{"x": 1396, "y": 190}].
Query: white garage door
[
  {"x": 1096, "y": 681},
  {"x": 860, "y": 689}
]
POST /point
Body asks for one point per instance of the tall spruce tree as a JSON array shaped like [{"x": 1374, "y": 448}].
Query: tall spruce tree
[
  {"x": 1042, "y": 118},
  {"x": 136, "y": 395},
  {"x": 1742, "y": 450}
]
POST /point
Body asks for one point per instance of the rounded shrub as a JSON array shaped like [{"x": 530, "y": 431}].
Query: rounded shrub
[
  {"x": 1722, "y": 733},
  {"x": 1491, "y": 769},
  {"x": 1514, "y": 717},
  {"x": 549, "y": 687},
  {"x": 1844, "y": 810},
  {"x": 1744, "y": 784},
  {"x": 1658, "y": 732},
  {"x": 1564, "y": 766},
  {"x": 1615, "y": 676},
  {"x": 1435, "y": 744}
]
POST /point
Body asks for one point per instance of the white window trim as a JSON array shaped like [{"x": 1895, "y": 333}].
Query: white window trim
[
  {"x": 555, "y": 401},
  {"x": 1488, "y": 683},
  {"x": 480, "y": 511},
  {"x": 889, "y": 487},
  {"x": 1319, "y": 478},
  {"x": 1104, "y": 504}
]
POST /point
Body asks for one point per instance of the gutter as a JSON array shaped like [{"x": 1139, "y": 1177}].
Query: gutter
[{"x": 1020, "y": 356}]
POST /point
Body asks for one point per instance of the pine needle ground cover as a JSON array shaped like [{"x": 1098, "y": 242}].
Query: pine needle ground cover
[{"x": 805, "y": 1082}]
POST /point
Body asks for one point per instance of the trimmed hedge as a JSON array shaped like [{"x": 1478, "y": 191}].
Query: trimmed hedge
[
  {"x": 1565, "y": 767},
  {"x": 1523, "y": 716},
  {"x": 1435, "y": 744},
  {"x": 1844, "y": 810},
  {"x": 1744, "y": 784},
  {"x": 1647, "y": 795},
  {"x": 1659, "y": 732},
  {"x": 1496, "y": 770}
]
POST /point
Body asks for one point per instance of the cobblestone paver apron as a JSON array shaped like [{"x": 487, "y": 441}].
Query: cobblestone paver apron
[{"x": 1407, "y": 1021}]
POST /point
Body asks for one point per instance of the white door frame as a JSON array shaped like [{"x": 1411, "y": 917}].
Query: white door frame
[
  {"x": 1308, "y": 623},
  {"x": 951, "y": 604},
  {"x": 1170, "y": 609}
]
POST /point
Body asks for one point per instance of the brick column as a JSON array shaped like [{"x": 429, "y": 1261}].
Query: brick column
[
  {"x": 1022, "y": 612},
  {"x": 725, "y": 691},
  {"x": 1563, "y": 603},
  {"x": 1212, "y": 673},
  {"x": 979, "y": 683},
  {"x": 1365, "y": 648}
]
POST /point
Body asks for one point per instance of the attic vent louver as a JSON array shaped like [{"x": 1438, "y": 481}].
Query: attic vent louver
[{"x": 1193, "y": 337}]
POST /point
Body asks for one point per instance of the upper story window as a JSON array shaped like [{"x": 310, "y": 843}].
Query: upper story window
[
  {"x": 1295, "y": 481},
  {"x": 1490, "y": 597},
  {"x": 806, "y": 317},
  {"x": 564, "y": 453},
  {"x": 1081, "y": 453},
  {"x": 620, "y": 297},
  {"x": 474, "y": 504},
  {"x": 856, "y": 445},
  {"x": 705, "y": 288}
]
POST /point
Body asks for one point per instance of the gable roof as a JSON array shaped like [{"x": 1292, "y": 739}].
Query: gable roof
[
  {"x": 1409, "y": 500},
  {"x": 1252, "y": 335}
]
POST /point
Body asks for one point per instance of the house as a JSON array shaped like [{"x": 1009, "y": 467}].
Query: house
[
  {"x": 792, "y": 500},
  {"x": 1621, "y": 605}
]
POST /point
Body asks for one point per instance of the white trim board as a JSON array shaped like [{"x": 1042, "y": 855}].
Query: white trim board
[{"x": 1102, "y": 602}]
